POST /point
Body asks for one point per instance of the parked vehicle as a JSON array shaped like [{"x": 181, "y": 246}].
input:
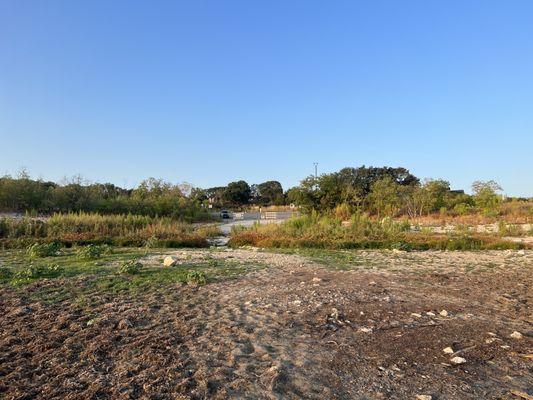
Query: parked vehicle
[{"x": 224, "y": 214}]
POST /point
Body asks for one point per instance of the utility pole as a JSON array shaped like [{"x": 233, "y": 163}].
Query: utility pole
[{"x": 316, "y": 169}]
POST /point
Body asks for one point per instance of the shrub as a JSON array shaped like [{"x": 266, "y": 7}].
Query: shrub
[
  {"x": 37, "y": 250},
  {"x": 120, "y": 230},
  {"x": 38, "y": 271},
  {"x": 325, "y": 232},
  {"x": 196, "y": 278},
  {"x": 90, "y": 252},
  {"x": 131, "y": 267}
]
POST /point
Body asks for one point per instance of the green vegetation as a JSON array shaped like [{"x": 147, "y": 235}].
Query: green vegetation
[
  {"x": 378, "y": 191},
  {"x": 131, "y": 267},
  {"x": 38, "y": 250},
  {"x": 92, "y": 252},
  {"x": 395, "y": 192},
  {"x": 153, "y": 197},
  {"x": 359, "y": 232},
  {"x": 123, "y": 270},
  {"x": 119, "y": 230},
  {"x": 196, "y": 277}
]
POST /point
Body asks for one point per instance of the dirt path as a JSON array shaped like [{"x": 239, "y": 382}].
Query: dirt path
[{"x": 293, "y": 330}]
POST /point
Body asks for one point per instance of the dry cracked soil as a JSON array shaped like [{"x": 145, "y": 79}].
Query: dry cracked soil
[{"x": 296, "y": 329}]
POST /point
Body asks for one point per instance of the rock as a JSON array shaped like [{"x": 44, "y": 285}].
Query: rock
[
  {"x": 443, "y": 313},
  {"x": 416, "y": 315},
  {"x": 124, "y": 324},
  {"x": 457, "y": 360},
  {"x": 505, "y": 347},
  {"x": 430, "y": 314},
  {"x": 521, "y": 252},
  {"x": 315, "y": 279},
  {"x": 516, "y": 335},
  {"x": 19, "y": 311},
  {"x": 297, "y": 302},
  {"x": 423, "y": 397},
  {"x": 448, "y": 350},
  {"x": 170, "y": 261},
  {"x": 490, "y": 340},
  {"x": 365, "y": 330}
]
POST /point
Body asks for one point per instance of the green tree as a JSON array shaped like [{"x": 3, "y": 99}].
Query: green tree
[
  {"x": 268, "y": 193},
  {"x": 486, "y": 195},
  {"x": 237, "y": 193},
  {"x": 385, "y": 197}
]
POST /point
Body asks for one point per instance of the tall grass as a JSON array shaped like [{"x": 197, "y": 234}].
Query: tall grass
[
  {"x": 327, "y": 231},
  {"x": 85, "y": 228}
]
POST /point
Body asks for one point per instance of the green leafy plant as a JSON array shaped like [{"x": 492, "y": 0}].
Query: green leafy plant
[
  {"x": 131, "y": 267},
  {"x": 90, "y": 252},
  {"x": 196, "y": 277},
  {"x": 38, "y": 250},
  {"x": 38, "y": 272}
]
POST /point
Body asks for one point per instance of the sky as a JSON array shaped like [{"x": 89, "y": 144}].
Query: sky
[{"x": 210, "y": 92}]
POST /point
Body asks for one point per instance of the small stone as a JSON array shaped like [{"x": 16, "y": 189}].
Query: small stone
[
  {"x": 443, "y": 313},
  {"x": 505, "y": 347},
  {"x": 423, "y": 397},
  {"x": 416, "y": 315},
  {"x": 297, "y": 302},
  {"x": 365, "y": 330},
  {"x": 521, "y": 252},
  {"x": 448, "y": 350},
  {"x": 315, "y": 279},
  {"x": 458, "y": 360},
  {"x": 170, "y": 261},
  {"x": 372, "y": 283},
  {"x": 430, "y": 314},
  {"x": 516, "y": 335},
  {"x": 490, "y": 340}
]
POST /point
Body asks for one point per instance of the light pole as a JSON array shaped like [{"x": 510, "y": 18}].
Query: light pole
[{"x": 316, "y": 169}]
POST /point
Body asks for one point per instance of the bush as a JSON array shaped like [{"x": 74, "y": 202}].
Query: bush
[
  {"x": 38, "y": 250},
  {"x": 313, "y": 231},
  {"x": 196, "y": 278},
  {"x": 131, "y": 267},
  {"x": 119, "y": 230},
  {"x": 91, "y": 252},
  {"x": 38, "y": 271}
]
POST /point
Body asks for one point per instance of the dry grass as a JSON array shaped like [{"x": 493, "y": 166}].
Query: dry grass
[{"x": 122, "y": 230}]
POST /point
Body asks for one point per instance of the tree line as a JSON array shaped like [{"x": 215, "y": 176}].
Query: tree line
[{"x": 380, "y": 191}]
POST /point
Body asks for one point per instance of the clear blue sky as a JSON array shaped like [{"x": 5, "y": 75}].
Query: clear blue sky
[{"x": 213, "y": 91}]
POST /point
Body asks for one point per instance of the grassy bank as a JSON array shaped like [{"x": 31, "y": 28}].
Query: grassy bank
[
  {"x": 360, "y": 232},
  {"x": 118, "y": 230}
]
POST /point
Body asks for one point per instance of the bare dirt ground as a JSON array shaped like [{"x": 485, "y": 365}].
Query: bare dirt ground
[{"x": 295, "y": 330}]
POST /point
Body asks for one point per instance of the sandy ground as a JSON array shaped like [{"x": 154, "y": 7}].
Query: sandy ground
[{"x": 294, "y": 330}]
